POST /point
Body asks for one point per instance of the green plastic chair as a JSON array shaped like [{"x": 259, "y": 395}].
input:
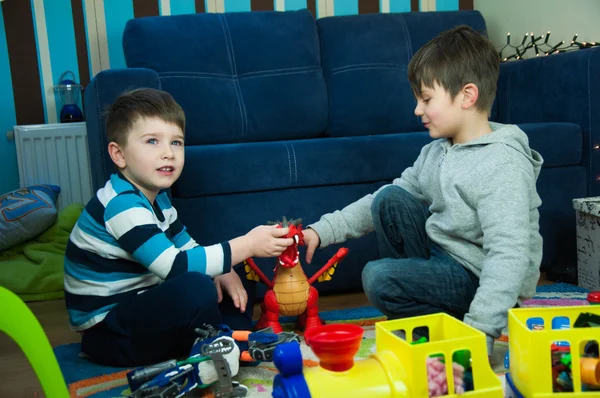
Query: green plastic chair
[{"x": 19, "y": 323}]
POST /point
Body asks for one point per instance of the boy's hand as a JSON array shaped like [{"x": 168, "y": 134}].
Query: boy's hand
[
  {"x": 231, "y": 283},
  {"x": 267, "y": 241},
  {"x": 312, "y": 241}
]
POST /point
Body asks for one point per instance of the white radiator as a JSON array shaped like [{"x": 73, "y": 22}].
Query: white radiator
[{"x": 55, "y": 154}]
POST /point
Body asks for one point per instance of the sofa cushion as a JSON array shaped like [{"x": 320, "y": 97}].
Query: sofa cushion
[
  {"x": 252, "y": 76},
  {"x": 217, "y": 169},
  {"x": 365, "y": 60}
]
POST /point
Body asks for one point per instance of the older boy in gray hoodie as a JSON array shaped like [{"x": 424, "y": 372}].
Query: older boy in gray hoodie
[{"x": 458, "y": 232}]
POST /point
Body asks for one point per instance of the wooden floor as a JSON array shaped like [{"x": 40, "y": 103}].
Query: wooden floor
[{"x": 17, "y": 378}]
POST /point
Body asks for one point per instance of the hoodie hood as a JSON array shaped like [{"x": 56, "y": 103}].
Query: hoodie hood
[{"x": 513, "y": 137}]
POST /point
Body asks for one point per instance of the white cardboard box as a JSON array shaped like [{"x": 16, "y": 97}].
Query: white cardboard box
[{"x": 588, "y": 242}]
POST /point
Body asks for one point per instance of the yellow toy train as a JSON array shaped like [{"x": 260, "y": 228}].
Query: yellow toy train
[{"x": 397, "y": 368}]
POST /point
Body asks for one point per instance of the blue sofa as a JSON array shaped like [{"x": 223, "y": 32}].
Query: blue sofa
[{"x": 288, "y": 116}]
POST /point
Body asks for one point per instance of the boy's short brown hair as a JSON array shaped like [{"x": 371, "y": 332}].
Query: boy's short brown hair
[
  {"x": 455, "y": 58},
  {"x": 132, "y": 105}
]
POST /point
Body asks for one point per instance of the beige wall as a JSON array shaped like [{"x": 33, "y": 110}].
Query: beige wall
[{"x": 563, "y": 18}]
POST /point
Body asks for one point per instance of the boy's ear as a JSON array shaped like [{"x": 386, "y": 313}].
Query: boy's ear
[
  {"x": 116, "y": 154},
  {"x": 470, "y": 93}
]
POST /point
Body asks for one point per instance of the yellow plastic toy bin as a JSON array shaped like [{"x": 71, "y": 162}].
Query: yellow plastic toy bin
[
  {"x": 447, "y": 335},
  {"x": 530, "y": 350}
]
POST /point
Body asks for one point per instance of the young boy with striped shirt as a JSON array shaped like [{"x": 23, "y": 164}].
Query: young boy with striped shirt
[{"x": 136, "y": 283}]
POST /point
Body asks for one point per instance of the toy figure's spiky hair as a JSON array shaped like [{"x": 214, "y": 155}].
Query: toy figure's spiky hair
[{"x": 285, "y": 223}]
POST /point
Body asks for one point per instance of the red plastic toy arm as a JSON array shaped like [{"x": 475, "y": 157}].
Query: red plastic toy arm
[
  {"x": 339, "y": 256},
  {"x": 260, "y": 274}
]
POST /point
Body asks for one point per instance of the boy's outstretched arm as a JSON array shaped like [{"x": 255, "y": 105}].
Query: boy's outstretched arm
[
  {"x": 507, "y": 209},
  {"x": 181, "y": 238},
  {"x": 265, "y": 240},
  {"x": 130, "y": 219},
  {"x": 262, "y": 241},
  {"x": 355, "y": 220}
]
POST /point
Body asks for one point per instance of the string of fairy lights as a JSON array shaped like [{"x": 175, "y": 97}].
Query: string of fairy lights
[{"x": 540, "y": 46}]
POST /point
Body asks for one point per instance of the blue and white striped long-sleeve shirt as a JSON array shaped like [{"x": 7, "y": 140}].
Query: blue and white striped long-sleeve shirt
[{"x": 122, "y": 245}]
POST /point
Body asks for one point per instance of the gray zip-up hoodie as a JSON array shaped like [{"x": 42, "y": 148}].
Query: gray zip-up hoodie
[{"x": 484, "y": 212}]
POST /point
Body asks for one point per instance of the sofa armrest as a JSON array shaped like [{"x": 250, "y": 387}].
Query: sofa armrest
[
  {"x": 102, "y": 91},
  {"x": 557, "y": 88}
]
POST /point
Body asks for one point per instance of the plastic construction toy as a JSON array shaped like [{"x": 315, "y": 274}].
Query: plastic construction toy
[
  {"x": 290, "y": 292},
  {"x": 176, "y": 378},
  {"x": 213, "y": 361},
  {"x": 571, "y": 334},
  {"x": 254, "y": 346},
  {"x": 437, "y": 379},
  {"x": 397, "y": 369}
]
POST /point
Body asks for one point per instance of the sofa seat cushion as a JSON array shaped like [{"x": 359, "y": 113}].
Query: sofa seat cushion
[
  {"x": 263, "y": 166},
  {"x": 217, "y": 169},
  {"x": 560, "y": 144},
  {"x": 252, "y": 76}
]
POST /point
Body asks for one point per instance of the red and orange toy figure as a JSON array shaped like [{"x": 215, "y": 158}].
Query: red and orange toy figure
[{"x": 290, "y": 292}]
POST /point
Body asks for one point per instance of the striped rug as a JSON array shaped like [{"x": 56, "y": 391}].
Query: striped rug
[{"x": 559, "y": 294}]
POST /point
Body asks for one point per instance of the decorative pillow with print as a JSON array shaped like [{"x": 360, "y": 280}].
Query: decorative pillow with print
[{"x": 26, "y": 213}]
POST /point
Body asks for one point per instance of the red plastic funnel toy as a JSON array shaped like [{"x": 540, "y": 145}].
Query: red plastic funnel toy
[{"x": 335, "y": 345}]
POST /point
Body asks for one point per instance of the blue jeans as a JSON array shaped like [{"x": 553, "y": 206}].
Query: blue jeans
[
  {"x": 159, "y": 324},
  {"x": 414, "y": 276}
]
